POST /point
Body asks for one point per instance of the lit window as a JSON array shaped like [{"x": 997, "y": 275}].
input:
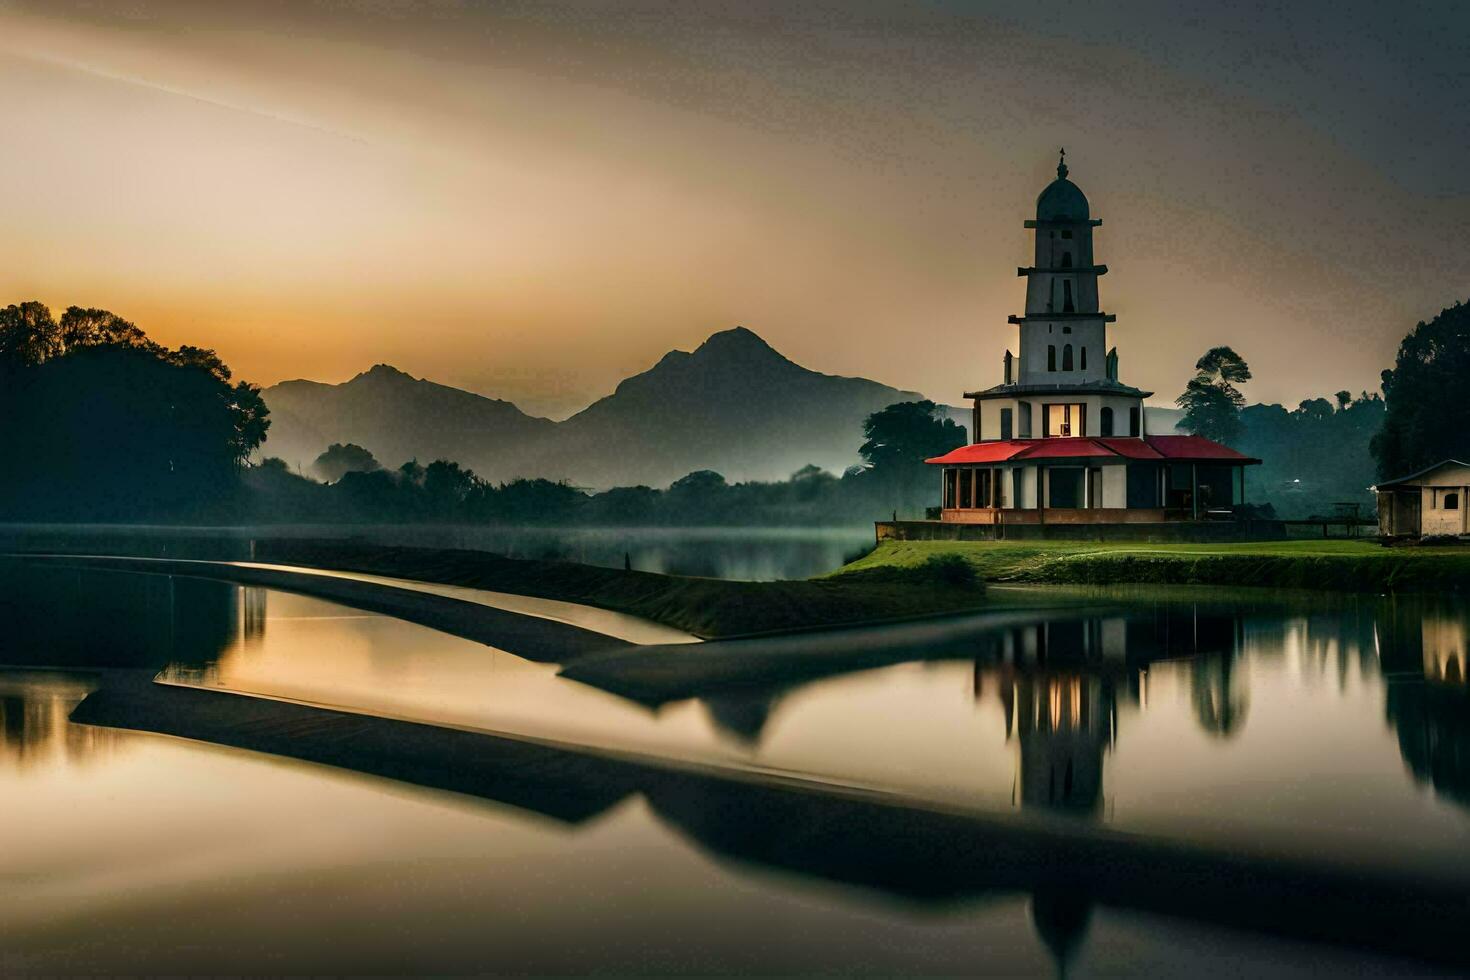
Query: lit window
[{"x": 1063, "y": 420}]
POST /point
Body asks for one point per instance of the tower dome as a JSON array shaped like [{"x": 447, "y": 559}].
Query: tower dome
[{"x": 1062, "y": 200}]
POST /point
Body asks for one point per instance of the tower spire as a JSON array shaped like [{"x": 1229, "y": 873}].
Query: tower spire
[{"x": 1062, "y": 165}]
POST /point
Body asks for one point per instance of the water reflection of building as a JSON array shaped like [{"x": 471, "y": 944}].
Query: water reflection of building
[
  {"x": 1064, "y": 723},
  {"x": 1421, "y": 644},
  {"x": 34, "y": 730},
  {"x": 1062, "y": 684}
]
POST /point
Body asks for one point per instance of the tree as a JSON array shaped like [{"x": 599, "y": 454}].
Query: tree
[
  {"x": 114, "y": 426},
  {"x": 698, "y": 484},
  {"x": 1211, "y": 402},
  {"x": 446, "y": 487},
  {"x": 1314, "y": 410},
  {"x": 28, "y": 335},
  {"x": 1428, "y": 417},
  {"x": 900, "y": 437},
  {"x": 80, "y": 327},
  {"x": 343, "y": 458}
]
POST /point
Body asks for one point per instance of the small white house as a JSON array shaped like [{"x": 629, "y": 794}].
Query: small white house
[{"x": 1431, "y": 501}]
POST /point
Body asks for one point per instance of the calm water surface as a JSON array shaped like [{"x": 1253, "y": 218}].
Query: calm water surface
[{"x": 1343, "y": 725}]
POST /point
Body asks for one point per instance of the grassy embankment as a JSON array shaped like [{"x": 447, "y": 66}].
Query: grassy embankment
[
  {"x": 702, "y": 606},
  {"x": 1345, "y": 566},
  {"x": 906, "y": 578}
]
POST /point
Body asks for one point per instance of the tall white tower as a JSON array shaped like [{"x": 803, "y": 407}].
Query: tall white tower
[{"x": 1065, "y": 382}]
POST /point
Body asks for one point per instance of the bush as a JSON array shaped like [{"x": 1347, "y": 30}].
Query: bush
[
  {"x": 948, "y": 569},
  {"x": 1435, "y": 540}
]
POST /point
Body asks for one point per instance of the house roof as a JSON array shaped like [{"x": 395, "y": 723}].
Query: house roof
[
  {"x": 1014, "y": 389},
  {"x": 1414, "y": 476},
  {"x": 1176, "y": 448},
  {"x": 1194, "y": 447}
]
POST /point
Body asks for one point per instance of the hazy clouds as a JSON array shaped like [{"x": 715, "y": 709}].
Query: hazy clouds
[{"x": 535, "y": 201}]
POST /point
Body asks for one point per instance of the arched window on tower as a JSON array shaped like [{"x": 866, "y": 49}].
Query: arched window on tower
[
  {"x": 1067, "y": 358},
  {"x": 1051, "y": 357},
  {"x": 1082, "y": 357},
  {"x": 1105, "y": 420},
  {"x": 1066, "y": 260},
  {"x": 1067, "y": 306}
]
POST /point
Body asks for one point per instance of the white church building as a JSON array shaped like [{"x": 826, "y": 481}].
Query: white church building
[{"x": 1062, "y": 439}]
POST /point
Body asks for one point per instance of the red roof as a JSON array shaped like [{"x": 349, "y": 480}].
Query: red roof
[
  {"x": 1132, "y": 448},
  {"x": 1066, "y": 448},
  {"x": 1195, "y": 448},
  {"x": 981, "y": 452}
]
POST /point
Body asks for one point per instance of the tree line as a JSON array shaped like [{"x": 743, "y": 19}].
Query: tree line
[
  {"x": 356, "y": 487},
  {"x": 1331, "y": 450},
  {"x": 101, "y": 423}
]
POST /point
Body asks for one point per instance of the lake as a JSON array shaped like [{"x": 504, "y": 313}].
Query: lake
[{"x": 1338, "y": 726}]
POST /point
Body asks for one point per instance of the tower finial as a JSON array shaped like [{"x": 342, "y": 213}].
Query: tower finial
[{"x": 1062, "y": 165}]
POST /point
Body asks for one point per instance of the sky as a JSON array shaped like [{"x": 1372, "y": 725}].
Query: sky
[{"x": 535, "y": 200}]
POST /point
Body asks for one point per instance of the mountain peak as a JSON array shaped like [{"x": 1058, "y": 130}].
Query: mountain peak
[
  {"x": 736, "y": 341},
  {"x": 384, "y": 372}
]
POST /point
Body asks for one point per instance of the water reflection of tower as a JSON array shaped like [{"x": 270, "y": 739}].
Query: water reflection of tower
[
  {"x": 1064, "y": 723},
  {"x": 252, "y": 613},
  {"x": 1058, "y": 689}
]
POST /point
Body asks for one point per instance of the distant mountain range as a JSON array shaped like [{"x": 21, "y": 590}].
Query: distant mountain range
[{"x": 734, "y": 405}]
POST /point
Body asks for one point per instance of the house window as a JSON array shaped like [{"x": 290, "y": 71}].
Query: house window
[
  {"x": 1063, "y": 421},
  {"x": 966, "y": 477},
  {"x": 1452, "y": 501},
  {"x": 1134, "y": 421},
  {"x": 1067, "y": 358},
  {"x": 951, "y": 479},
  {"x": 1005, "y": 423},
  {"x": 1105, "y": 420},
  {"x": 1051, "y": 357}
]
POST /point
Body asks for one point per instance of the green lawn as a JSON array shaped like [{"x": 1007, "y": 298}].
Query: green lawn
[{"x": 1311, "y": 564}]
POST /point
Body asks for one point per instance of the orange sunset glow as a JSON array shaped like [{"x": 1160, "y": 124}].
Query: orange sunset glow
[{"x": 534, "y": 204}]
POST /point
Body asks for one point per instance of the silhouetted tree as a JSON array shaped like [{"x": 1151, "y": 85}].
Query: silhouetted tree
[
  {"x": 1428, "y": 418},
  {"x": 898, "y": 440},
  {"x": 113, "y": 426},
  {"x": 446, "y": 488},
  {"x": 343, "y": 458},
  {"x": 100, "y": 328},
  {"x": 900, "y": 437},
  {"x": 28, "y": 335},
  {"x": 1211, "y": 402}
]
